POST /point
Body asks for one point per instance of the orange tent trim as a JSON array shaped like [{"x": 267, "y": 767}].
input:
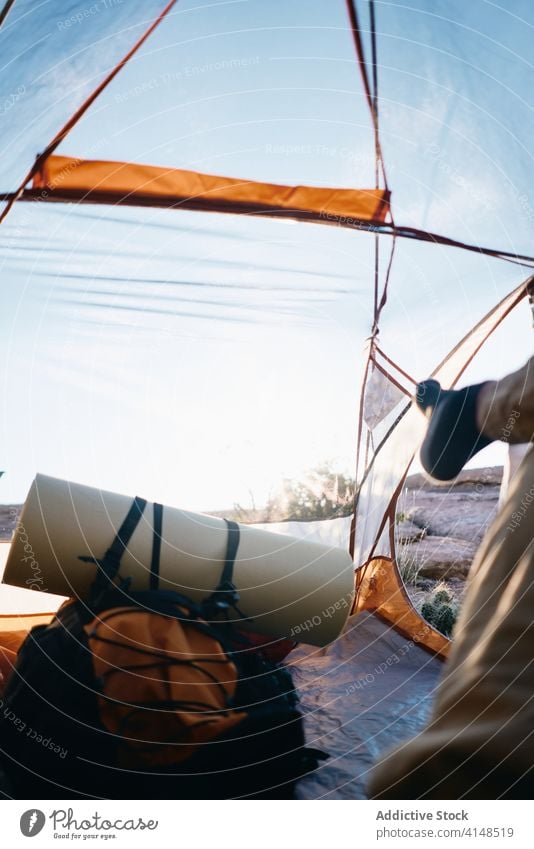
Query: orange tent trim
[
  {"x": 380, "y": 590},
  {"x": 65, "y": 178}
]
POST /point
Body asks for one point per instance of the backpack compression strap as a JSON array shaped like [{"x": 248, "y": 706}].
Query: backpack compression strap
[
  {"x": 108, "y": 566},
  {"x": 223, "y": 597},
  {"x": 226, "y": 595},
  {"x": 225, "y": 585},
  {"x": 156, "y": 546}
]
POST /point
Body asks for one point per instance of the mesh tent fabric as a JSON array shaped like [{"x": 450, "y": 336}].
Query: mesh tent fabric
[{"x": 388, "y": 466}]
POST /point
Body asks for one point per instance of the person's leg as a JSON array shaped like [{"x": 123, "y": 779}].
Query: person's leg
[
  {"x": 505, "y": 408},
  {"x": 462, "y": 422},
  {"x": 480, "y": 740}
]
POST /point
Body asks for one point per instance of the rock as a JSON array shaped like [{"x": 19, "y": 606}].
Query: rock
[
  {"x": 9, "y": 514},
  {"x": 462, "y": 509},
  {"x": 437, "y": 557},
  {"x": 455, "y": 517},
  {"x": 467, "y": 480},
  {"x": 459, "y": 516},
  {"x": 407, "y": 531}
]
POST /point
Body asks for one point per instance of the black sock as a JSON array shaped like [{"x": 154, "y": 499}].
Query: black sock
[{"x": 452, "y": 437}]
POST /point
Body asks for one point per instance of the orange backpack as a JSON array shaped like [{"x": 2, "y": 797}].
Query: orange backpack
[{"x": 150, "y": 695}]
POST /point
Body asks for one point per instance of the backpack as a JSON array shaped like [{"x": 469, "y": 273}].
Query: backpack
[{"x": 147, "y": 694}]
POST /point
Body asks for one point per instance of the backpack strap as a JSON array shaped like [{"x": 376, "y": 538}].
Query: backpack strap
[
  {"x": 225, "y": 594},
  {"x": 232, "y": 545},
  {"x": 156, "y": 546},
  {"x": 109, "y": 564}
]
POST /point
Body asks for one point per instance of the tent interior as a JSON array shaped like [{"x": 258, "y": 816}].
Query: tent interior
[{"x": 200, "y": 349}]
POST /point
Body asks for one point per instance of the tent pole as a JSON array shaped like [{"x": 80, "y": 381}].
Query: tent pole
[{"x": 5, "y": 11}]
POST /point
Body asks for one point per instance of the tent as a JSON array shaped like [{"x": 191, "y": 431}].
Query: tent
[{"x": 211, "y": 215}]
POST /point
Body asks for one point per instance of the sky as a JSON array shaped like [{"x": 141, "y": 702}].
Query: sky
[{"x": 202, "y": 359}]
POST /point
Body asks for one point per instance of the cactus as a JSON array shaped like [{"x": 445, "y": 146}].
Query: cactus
[
  {"x": 427, "y": 611},
  {"x": 445, "y": 619},
  {"x": 441, "y": 597},
  {"x": 440, "y": 610}
]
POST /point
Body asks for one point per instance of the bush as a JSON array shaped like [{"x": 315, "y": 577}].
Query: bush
[{"x": 324, "y": 493}]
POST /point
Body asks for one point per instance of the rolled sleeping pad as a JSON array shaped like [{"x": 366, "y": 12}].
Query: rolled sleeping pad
[{"x": 288, "y": 587}]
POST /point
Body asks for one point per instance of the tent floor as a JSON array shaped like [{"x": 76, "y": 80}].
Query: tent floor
[{"x": 368, "y": 691}]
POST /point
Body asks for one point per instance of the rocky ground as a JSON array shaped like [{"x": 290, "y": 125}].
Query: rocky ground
[
  {"x": 8, "y": 520},
  {"x": 439, "y": 529}
]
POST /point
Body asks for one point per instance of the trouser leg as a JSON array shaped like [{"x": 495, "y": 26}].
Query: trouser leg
[
  {"x": 506, "y": 407},
  {"x": 480, "y": 740}
]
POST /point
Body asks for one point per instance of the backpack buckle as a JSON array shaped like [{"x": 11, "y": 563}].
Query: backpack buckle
[
  {"x": 221, "y": 600},
  {"x": 230, "y": 593}
]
